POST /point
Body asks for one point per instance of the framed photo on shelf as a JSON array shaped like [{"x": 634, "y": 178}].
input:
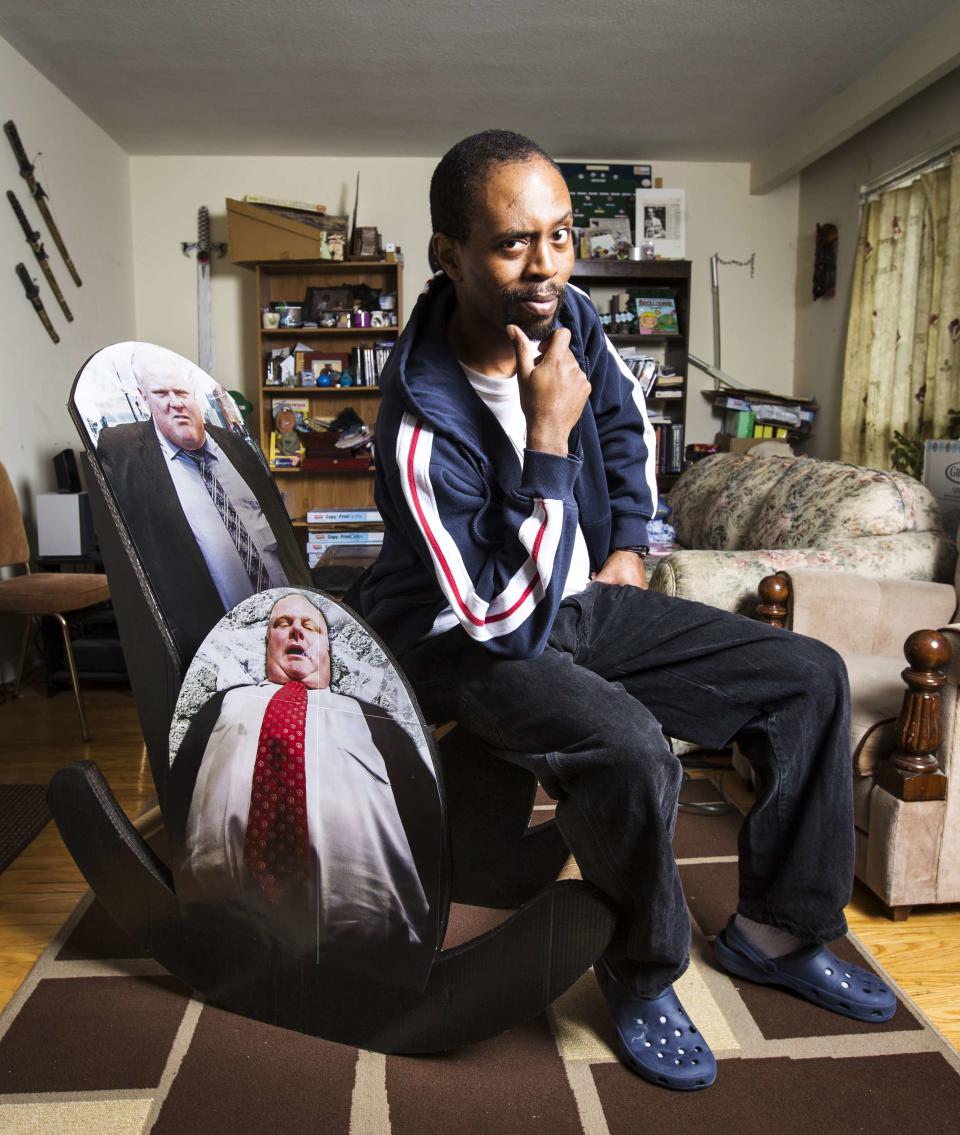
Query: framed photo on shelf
[
  {"x": 328, "y": 367},
  {"x": 661, "y": 218}
]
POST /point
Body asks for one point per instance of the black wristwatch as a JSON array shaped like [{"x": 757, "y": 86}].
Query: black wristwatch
[{"x": 642, "y": 550}]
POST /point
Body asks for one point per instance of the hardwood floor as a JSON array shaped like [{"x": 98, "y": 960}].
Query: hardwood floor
[
  {"x": 38, "y": 735},
  {"x": 42, "y": 886}
]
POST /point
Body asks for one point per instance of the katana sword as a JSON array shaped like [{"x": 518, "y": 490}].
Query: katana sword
[
  {"x": 39, "y": 195},
  {"x": 204, "y": 247},
  {"x": 33, "y": 295},
  {"x": 33, "y": 239}
]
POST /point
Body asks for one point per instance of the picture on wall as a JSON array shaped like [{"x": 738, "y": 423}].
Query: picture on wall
[
  {"x": 302, "y": 793},
  {"x": 603, "y": 192},
  {"x": 661, "y": 219}
]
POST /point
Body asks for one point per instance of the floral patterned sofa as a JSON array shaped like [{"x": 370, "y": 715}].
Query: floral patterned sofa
[{"x": 739, "y": 518}]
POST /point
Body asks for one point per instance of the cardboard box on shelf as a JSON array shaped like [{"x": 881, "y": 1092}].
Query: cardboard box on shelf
[
  {"x": 256, "y": 233},
  {"x": 736, "y": 444}
]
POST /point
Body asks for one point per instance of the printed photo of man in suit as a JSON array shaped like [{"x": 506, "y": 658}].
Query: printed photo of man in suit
[
  {"x": 198, "y": 502},
  {"x": 312, "y": 811}
]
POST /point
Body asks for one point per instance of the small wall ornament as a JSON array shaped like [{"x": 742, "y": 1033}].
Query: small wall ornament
[{"x": 825, "y": 262}]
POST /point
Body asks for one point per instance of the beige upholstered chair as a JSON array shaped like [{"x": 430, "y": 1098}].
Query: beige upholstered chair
[
  {"x": 48, "y": 593},
  {"x": 907, "y": 823}
]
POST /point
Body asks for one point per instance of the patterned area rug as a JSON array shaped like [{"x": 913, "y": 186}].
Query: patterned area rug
[
  {"x": 99, "y": 1041},
  {"x": 23, "y": 812}
]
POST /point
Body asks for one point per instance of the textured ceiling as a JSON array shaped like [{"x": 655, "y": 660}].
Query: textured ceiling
[{"x": 658, "y": 79}]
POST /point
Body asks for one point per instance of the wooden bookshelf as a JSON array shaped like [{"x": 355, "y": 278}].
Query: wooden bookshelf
[
  {"x": 603, "y": 277},
  {"x": 288, "y": 280}
]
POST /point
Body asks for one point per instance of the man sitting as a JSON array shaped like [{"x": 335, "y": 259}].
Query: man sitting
[{"x": 515, "y": 476}]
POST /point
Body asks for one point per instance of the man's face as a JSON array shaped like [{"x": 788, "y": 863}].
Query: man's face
[
  {"x": 174, "y": 407},
  {"x": 298, "y": 646},
  {"x": 514, "y": 265}
]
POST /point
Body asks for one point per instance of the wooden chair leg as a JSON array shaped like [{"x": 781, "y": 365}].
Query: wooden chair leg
[
  {"x": 74, "y": 676},
  {"x": 913, "y": 772},
  {"x": 23, "y": 656}
]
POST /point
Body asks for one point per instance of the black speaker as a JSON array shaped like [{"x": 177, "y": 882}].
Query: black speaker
[{"x": 65, "y": 468}]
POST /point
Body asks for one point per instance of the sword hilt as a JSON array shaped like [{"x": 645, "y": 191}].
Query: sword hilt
[
  {"x": 32, "y": 235},
  {"x": 26, "y": 168},
  {"x": 32, "y": 289}
]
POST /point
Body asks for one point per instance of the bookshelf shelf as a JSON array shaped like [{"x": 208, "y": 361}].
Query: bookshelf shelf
[
  {"x": 321, "y": 391},
  {"x": 333, "y": 332}
]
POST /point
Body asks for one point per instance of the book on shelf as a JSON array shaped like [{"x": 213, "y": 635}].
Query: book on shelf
[
  {"x": 320, "y": 540},
  {"x": 346, "y": 559},
  {"x": 739, "y": 423},
  {"x": 299, "y": 406},
  {"x": 643, "y": 368},
  {"x": 660, "y": 392},
  {"x": 656, "y": 312},
  {"x": 669, "y": 447},
  {"x": 362, "y": 537},
  {"x": 367, "y": 363},
  {"x": 344, "y": 516}
]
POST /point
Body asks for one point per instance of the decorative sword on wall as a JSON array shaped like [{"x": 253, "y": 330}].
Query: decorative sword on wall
[
  {"x": 33, "y": 239},
  {"x": 33, "y": 295},
  {"x": 39, "y": 195},
  {"x": 204, "y": 247}
]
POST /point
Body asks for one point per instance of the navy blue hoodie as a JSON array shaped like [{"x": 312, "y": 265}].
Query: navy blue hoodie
[{"x": 465, "y": 527}]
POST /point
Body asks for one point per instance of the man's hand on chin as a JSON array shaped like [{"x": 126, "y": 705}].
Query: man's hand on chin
[{"x": 624, "y": 568}]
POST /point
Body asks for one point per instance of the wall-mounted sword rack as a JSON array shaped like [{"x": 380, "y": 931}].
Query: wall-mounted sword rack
[{"x": 39, "y": 195}]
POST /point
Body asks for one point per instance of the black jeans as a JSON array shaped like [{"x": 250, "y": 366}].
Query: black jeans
[{"x": 588, "y": 717}]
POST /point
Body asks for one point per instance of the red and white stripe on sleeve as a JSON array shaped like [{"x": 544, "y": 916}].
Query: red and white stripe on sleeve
[{"x": 539, "y": 534}]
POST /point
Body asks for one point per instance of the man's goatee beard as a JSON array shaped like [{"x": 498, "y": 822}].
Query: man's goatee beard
[{"x": 533, "y": 326}]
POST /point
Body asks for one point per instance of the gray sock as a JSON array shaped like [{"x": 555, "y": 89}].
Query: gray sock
[{"x": 771, "y": 941}]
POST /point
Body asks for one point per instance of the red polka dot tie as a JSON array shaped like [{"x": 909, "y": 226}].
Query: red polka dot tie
[{"x": 277, "y": 845}]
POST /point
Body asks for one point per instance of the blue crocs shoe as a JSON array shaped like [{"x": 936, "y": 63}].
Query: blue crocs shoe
[
  {"x": 813, "y": 972},
  {"x": 657, "y": 1039}
]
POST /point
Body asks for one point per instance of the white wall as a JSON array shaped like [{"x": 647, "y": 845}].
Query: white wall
[
  {"x": 757, "y": 314},
  {"x": 87, "y": 177},
  {"x": 166, "y": 193},
  {"x": 830, "y": 192}
]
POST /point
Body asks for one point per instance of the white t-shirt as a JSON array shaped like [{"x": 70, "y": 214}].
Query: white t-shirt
[{"x": 501, "y": 396}]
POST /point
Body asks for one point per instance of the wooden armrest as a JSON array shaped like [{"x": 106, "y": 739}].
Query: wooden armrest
[
  {"x": 913, "y": 772},
  {"x": 853, "y": 613}
]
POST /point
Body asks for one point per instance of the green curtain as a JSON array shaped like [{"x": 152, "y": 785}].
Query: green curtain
[{"x": 902, "y": 362}]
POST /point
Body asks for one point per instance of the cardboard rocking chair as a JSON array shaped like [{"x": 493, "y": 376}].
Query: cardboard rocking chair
[{"x": 315, "y": 832}]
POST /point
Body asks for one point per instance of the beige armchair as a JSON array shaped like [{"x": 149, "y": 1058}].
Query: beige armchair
[
  {"x": 738, "y": 518},
  {"x": 905, "y": 725}
]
